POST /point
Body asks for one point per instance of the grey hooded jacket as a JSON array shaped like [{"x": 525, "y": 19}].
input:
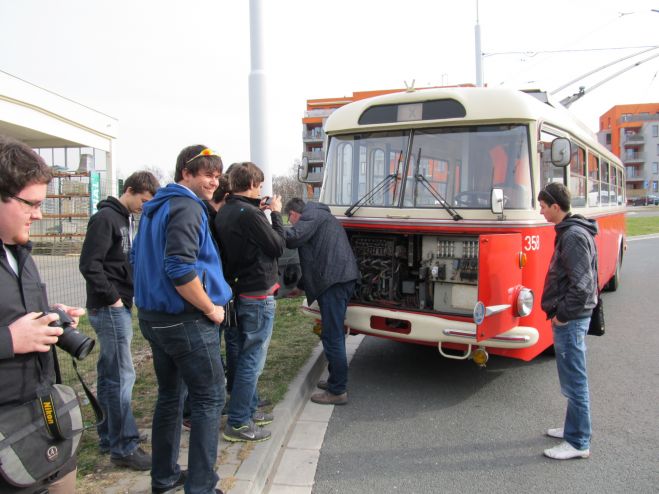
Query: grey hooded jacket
[
  {"x": 571, "y": 289},
  {"x": 325, "y": 253}
]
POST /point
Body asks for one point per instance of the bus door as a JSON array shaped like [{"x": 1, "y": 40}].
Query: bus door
[{"x": 499, "y": 281}]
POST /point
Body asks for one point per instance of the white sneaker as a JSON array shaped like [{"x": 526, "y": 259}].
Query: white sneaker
[
  {"x": 565, "y": 451},
  {"x": 557, "y": 433}
]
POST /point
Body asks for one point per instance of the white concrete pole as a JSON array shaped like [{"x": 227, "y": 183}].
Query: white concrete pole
[
  {"x": 258, "y": 136},
  {"x": 479, "y": 51}
]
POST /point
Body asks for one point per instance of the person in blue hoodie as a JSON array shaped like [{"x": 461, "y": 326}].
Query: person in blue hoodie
[{"x": 180, "y": 292}]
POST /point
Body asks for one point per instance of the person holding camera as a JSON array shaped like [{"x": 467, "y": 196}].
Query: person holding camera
[
  {"x": 250, "y": 248},
  {"x": 27, "y": 354},
  {"x": 180, "y": 292},
  {"x": 105, "y": 266}
]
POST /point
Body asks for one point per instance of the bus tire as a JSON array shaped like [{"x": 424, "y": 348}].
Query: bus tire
[{"x": 614, "y": 282}]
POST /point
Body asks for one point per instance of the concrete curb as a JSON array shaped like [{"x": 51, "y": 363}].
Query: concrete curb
[{"x": 252, "y": 475}]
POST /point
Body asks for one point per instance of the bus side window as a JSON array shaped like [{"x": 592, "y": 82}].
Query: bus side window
[
  {"x": 548, "y": 172},
  {"x": 593, "y": 180},
  {"x": 578, "y": 176}
]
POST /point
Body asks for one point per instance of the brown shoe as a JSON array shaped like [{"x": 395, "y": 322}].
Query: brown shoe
[
  {"x": 327, "y": 398},
  {"x": 322, "y": 384}
]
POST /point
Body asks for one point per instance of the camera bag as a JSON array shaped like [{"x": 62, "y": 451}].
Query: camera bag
[{"x": 39, "y": 437}]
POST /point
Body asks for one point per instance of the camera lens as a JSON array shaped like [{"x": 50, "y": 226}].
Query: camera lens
[{"x": 75, "y": 343}]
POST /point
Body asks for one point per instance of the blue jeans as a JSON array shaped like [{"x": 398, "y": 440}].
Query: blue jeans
[
  {"x": 116, "y": 377},
  {"x": 570, "y": 346},
  {"x": 333, "y": 303},
  {"x": 186, "y": 354},
  {"x": 255, "y": 320},
  {"x": 231, "y": 350}
]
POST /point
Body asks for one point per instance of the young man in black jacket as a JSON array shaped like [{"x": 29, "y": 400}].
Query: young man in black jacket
[
  {"x": 568, "y": 298},
  {"x": 27, "y": 354},
  {"x": 250, "y": 248},
  {"x": 104, "y": 264}
]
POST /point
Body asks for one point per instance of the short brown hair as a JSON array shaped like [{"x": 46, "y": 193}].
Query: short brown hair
[
  {"x": 188, "y": 160},
  {"x": 222, "y": 189},
  {"x": 20, "y": 166},
  {"x": 140, "y": 182},
  {"x": 244, "y": 176},
  {"x": 556, "y": 193}
]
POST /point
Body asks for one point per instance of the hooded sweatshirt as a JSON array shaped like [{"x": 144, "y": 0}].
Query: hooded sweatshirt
[
  {"x": 571, "y": 289},
  {"x": 172, "y": 247},
  {"x": 104, "y": 257}
]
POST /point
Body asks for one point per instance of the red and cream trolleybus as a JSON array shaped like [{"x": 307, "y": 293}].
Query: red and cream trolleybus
[{"x": 437, "y": 191}]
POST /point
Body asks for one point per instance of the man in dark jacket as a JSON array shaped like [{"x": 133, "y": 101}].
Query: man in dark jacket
[
  {"x": 250, "y": 248},
  {"x": 27, "y": 352},
  {"x": 329, "y": 273},
  {"x": 104, "y": 264},
  {"x": 568, "y": 299},
  {"x": 180, "y": 292}
]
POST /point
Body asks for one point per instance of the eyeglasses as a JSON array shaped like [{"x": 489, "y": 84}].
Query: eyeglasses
[
  {"x": 33, "y": 204},
  {"x": 204, "y": 152}
]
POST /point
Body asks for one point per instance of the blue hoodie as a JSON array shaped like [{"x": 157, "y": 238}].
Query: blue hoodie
[{"x": 173, "y": 246}]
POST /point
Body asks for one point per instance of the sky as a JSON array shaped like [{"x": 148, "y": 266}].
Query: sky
[{"x": 175, "y": 73}]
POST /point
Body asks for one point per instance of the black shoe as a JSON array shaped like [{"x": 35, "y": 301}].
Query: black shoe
[
  {"x": 137, "y": 460},
  {"x": 178, "y": 483}
]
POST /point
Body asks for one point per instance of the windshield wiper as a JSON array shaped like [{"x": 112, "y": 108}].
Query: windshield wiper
[
  {"x": 386, "y": 182},
  {"x": 442, "y": 202}
]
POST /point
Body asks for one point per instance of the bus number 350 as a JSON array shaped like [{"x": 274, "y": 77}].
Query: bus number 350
[{"x": 531, "y": 242}]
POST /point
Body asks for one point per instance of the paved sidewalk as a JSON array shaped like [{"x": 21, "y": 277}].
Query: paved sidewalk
[{"x": 288, "y": 460}]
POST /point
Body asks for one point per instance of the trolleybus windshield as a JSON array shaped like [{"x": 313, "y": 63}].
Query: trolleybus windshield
[{"x": 459, "y": 164}]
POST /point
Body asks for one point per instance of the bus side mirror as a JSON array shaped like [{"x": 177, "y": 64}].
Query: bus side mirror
[
  {"x": 496, "y": 201},
  {"x": 303, "y": 169},
  {"x": 561, "y": 151}
]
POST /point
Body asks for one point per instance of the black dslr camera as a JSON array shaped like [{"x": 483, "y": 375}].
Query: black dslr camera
[{"x": 71, "y": 340}]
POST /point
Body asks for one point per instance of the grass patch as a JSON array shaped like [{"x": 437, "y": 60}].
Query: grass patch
[
  {"x": 290, "y": 347},
  {"x": 642, "y": 225}
]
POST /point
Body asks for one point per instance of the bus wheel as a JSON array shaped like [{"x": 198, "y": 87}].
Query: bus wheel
[{"x": 614, "y": 282}]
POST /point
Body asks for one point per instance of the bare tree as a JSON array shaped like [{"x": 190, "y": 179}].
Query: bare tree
[
  {"x": 288, "y": 186},
  {"x": 164, "y": 177}
]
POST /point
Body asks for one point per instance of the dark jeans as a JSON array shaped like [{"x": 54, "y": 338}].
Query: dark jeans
[
  {"x": 186, "y": 353},
  {"x": 231, "y": 350},
  {"x": 255, "y": 320},
  {"x": 116, "y": 376},
  {"x": 333, "y": 303}
]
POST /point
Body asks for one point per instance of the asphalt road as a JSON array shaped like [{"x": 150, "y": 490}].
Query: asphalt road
[{"x": 420, "y": 423}]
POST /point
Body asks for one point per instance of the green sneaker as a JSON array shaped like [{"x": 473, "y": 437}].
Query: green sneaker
[
  {"x": 249, "y": 433},
  {"x": 262, "y": 418}
]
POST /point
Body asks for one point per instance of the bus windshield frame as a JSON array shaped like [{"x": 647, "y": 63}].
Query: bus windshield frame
[{"x": 416, "y": 168}]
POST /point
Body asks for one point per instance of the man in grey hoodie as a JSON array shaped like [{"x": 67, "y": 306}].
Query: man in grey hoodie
[
  {"x": 329, "y": 273},
  {"x": 569, "y": 297}
]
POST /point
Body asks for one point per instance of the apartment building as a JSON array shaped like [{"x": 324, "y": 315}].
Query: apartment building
[
  {"x": 631, "y": 132},
  {"x": 313, "y": 136}
]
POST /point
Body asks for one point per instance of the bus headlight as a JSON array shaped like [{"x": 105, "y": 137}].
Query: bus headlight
[{"x": 524, "y": 302}]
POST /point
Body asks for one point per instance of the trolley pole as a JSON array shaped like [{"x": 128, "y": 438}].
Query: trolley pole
[{"x": 258, "y": 136}]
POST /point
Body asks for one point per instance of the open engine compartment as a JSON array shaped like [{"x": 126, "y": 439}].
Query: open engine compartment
[{"x": 437, "y": 273}]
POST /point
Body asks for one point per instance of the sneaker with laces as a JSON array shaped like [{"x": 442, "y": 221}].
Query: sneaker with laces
[
  {"x": 249, "y": 433},
  {"x": 137, "y": 460},
  {"x": 557, "y": 433},
  {"x": 565, "y": 451},
  {"x": 262, "y": 418},
  {"x": 178, "y": 483}
]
